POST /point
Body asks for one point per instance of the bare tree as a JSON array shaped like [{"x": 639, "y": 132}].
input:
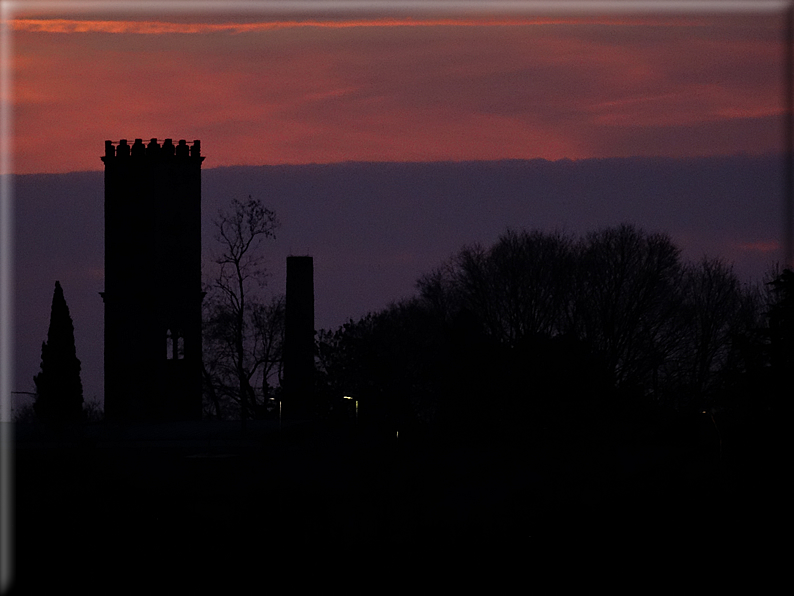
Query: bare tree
[
  {"x": 627, "y": 281},
  {"x": 517, "y": 289},
  {"x": 268, "y": 341},
  {"x": 239, "y": 345},
  {"x": 711, "y": 301},
  {"x": 781, "y": 332}
]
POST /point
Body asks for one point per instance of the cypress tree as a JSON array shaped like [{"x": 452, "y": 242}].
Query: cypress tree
[{"x": 59, "y": 391}]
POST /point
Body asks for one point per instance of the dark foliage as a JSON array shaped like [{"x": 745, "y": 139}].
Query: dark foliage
[
  {"x": 781, "y": 332},
  {"x": 503, "y": 338}
]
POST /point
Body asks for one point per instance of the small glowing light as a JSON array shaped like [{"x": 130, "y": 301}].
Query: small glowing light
[
  {"x": 398, "y": 434},
  {"x": 346, "y": 397}
]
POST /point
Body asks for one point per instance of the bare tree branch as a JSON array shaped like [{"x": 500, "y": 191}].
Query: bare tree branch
[{"x": 233, "y": 337}]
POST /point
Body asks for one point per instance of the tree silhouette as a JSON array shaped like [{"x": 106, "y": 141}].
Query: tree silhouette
[
  {"x": 391, "y": 362},
  {"x": 540, "y": 324},
  {"x": 781, "y": 328},
  {"x": 59, "y": 391},
  {"x": 517, "y": 289},
  {"x": 242, "y": 335},
  {"x": 624, "y": 300},
  {"x": 713, "y": 318},
  {"x": 606, "y": 299}
]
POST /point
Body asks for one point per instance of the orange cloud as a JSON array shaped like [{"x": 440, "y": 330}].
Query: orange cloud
[
  {"x": 160, "y": 27},
  {"x": 390, "y": 92},
  {"x": 166, "y": 27}
]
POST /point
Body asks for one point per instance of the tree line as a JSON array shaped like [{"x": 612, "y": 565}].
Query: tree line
[{"x": 540, "y": 320}]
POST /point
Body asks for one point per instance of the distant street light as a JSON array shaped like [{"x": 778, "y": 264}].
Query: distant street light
[{"x": 348, "y": 397}]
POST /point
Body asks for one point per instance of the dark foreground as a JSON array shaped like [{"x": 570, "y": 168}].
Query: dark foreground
[{"x": 183, "y": 506}]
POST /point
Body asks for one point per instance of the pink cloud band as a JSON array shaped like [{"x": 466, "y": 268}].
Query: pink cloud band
[{"x": 165, "y": 27}]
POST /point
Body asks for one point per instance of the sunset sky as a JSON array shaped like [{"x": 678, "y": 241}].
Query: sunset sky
[
  {"x": 270, "y": 88},
  {"x": 379, "y": 82}
]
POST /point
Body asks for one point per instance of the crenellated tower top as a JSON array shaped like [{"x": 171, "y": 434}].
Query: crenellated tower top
[{"x": 153, "y": 149}]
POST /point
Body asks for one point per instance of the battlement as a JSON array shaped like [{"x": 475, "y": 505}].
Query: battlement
[{"x": 153, "y": 149}]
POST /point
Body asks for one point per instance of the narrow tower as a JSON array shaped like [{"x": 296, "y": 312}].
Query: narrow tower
[
  {"x": 299, "y": 339},
  {"x": 152, "y": 280}
]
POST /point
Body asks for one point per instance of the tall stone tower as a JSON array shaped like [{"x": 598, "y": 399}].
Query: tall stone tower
[
  {"x": 298, "y": 383},
  {"x": 152, "y": 280}
]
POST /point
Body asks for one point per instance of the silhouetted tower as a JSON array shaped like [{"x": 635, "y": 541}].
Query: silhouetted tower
[
  {"x": 299, "y": 339},
  {"x": 152, "y": 280}
]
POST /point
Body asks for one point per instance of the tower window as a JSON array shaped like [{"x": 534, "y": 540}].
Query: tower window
[
  {"x": 174, "y": 345},
  {"x": 169, "y": 345}
]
